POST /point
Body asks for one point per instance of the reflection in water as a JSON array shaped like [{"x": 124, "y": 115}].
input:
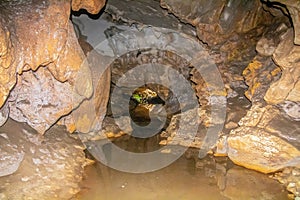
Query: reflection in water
[{"x": 188, "y": 178}]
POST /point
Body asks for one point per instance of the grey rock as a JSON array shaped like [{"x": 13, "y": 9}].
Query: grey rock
[
  {"x": 10, "y": 156},
  {"x": 4, "y": 113}
]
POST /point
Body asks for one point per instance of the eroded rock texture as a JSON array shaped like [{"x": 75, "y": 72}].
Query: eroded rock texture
[
  {"x": 43, "y": 167},
  {"x": 260, "y": 144},
  {"x": 47, "y": 59},
  {"x": 293, "y": 9},
  {"x": 217, "y": 21},
  {"x": 287, "y": 56},
  {"x": 92, "y": 7},
  {"x": 268, "y": 137}
]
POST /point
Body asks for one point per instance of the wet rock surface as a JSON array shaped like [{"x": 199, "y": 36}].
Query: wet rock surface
[
  {"x": 49, "y": 43},
  {"x": 41, "y": 167},
  {"x": 259, "y": 74},
  {"x": 4, "y": 113},
  {"x": 266, "y": 139},
  {"x": 11, "y": 157},
  {"x": 146, "y": 12},
  {"x": 90, "y": 114}
]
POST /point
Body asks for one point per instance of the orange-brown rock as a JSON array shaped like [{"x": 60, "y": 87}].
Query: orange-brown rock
[
  {"x": 287, "y": 57},
  {"x": 258, "y": 75},
  {"x": 37, "y": 37},
  {"x": 266, "y": 141},
  {"x": 257, "y": 149},
  {"x": 92, "y": 6},
  {"x": 88, "y": 117}
]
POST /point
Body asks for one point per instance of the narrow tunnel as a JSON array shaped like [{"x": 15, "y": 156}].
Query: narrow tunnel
[{"x": 150, "y": 99}]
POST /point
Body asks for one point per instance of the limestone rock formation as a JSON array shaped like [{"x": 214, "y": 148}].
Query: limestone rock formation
[
  {"x": 261, "y": 145},
  {"x": 286, "y": 56},
  {"x": 90, "y": 114},
  {"x": 292, "y": 8},
  {"x": 217, "y": 21},
  {"x": 92, "y": 7},
  {"x": 44, "y": 60},
  {"x": 290, "y": 177},
  {"x": 4, "y": 113},
  {"x": 11, "y": 156},
  {"x": 258, "y": 75}
]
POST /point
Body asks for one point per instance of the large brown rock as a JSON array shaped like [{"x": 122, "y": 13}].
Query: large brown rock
[
  {"x": 259, "y": 150},
  {"x": 49, "y": 53},
  {"x": 89, "y": 116},
  {"x": 265, "y": 141},
  {"x": 40, "y": 100},
  {"x": 287, "y": 57}
]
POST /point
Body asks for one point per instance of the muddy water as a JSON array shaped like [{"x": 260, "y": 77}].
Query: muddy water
[{"x": 187, "y": 179}]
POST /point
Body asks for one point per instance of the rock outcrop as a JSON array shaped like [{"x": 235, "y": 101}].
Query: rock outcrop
[
  {"x": 260, "y": 144},
  {"x": 43, "y": 64},
  {"x": 286, "y": 56},
  {"x": 219, "y": 21},
  {"x": 43, "y": 77}
]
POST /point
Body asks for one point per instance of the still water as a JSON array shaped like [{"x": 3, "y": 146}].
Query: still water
[{"x": 188, "y": 178}]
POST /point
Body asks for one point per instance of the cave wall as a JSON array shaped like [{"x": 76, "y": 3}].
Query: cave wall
[
  {"x": 43, "y": 76},
  {"x": 42, "y": 73},
  {"x": 267, "y": 137}
]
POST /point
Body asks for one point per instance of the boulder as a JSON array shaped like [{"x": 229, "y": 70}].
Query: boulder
[{"x": 264, "y": 142}]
